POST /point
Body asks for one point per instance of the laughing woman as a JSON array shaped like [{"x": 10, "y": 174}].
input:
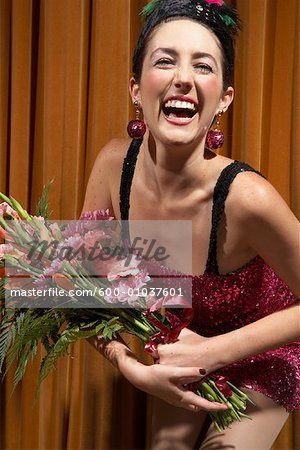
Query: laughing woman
[{"x": 246, "y": 252}]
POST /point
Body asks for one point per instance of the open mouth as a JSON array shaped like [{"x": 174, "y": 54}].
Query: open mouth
[{"x": 173, "y": 109}]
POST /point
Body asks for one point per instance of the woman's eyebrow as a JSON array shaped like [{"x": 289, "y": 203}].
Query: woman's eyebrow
[
  {"x": 173, "y": 52},
  {"x": 205, "y": 55},
  {"x": 170, "y": 51}
]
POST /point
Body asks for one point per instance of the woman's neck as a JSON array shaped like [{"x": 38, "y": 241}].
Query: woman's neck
[{"x": 174, "y": 169}]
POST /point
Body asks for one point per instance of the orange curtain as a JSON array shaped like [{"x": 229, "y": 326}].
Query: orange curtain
[{"x": 64, "y": 70}]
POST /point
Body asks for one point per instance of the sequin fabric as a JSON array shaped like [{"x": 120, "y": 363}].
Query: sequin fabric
[
  {"x": 226, "y": 302},
  {"x": 223, "y": 303}
]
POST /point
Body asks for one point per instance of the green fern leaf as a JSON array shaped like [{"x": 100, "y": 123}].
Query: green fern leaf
[
  {"x": 22, "y": 364},
  {"x": 42, "y": 207},
  {"x": 9, "y": 329},
  {"x": 33, "y": 350},
  {"x": 7, "y": 337},
  {"x": 34, "y": 327}
]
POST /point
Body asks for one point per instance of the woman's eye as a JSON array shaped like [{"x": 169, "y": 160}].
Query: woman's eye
[
  {"x": 204, "y": 68},
  {"x": 163, "y": 62}
]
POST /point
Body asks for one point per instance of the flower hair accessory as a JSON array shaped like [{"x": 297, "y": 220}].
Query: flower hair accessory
[
  {"x": 148, "y": 9},
  {"x": 217, "y": 2},
  {"x": 201, "y": 7},
  {"x": 222, "y": 19}
]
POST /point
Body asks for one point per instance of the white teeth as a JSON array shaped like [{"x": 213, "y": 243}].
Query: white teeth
[{"x": 179, "y": 104}]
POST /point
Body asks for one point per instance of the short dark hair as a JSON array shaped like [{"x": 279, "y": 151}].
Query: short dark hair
[{"x": 222, "y": 20}]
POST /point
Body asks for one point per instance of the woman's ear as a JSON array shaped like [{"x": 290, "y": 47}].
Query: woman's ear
[
  {"x": 226, "y": 99},
  {"x": 134, "y": 90}
]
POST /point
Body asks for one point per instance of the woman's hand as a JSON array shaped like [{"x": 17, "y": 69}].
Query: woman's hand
[
  {"x": 190, "y": 350},
  {"x": 168, "y": 383}
]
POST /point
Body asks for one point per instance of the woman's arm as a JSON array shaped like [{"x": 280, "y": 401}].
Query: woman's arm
[
  {"x": 98, "y": 195},
  {"x": 269, "y": 226},
  {"x": 164, "y": 382},
  {"x": 271, "y": 229}
]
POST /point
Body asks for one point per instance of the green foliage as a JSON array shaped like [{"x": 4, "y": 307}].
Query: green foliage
[
  {"x": 42, "y": 207},
  {"x": 21, "y": 331},
  {"x": 7, "y": 337},
  {"x": 29, "y": 327},
  {"x": 108, "y": 328},
  {"x": 14, "y": 204},
  {"x": 56, "y": 329}
]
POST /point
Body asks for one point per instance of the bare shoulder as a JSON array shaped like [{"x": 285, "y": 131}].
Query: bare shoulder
[
  {"x": 112, "y": 154},
  {"x": 105, "y": 175},
  {"x": 251, "y": 195},
  {"x": 267, "y": 224}
]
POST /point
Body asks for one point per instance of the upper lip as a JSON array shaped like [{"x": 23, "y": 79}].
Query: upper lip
[{"x": 181, "y": 98}]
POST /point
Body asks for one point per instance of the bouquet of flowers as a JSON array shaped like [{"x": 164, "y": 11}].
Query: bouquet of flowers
[{"x": 65, "y": 295}]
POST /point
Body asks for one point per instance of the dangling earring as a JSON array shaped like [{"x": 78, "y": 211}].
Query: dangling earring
[
  {"x": 215, "y": 138},
  {"x": 136, "y": 128}
]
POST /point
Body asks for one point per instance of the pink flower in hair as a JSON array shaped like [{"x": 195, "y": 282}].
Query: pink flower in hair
[{"x": 218, "y": 2}]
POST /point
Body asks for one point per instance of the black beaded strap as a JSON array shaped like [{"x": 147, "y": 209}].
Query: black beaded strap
[
  {"x": 219, "y": 196},
  {"x": 127, "y": 176}
]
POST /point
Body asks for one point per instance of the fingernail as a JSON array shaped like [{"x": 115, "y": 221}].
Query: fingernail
[{"x": 202, "y": 371}]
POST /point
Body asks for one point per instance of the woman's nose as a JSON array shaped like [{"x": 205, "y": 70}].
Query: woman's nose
[{"x": 183, "y": 77}]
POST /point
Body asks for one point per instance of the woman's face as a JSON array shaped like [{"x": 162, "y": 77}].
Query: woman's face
[{"x": 181, "y": 86}]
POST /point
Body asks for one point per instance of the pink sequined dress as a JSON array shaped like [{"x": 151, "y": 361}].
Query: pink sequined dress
[{"x": 225, "y": 302}]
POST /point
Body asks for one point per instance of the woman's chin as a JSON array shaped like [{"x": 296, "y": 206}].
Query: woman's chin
[{"x": 175, "y": 139}]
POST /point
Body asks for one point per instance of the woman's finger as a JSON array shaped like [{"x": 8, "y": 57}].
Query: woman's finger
[
  {"x": 186, "y": 375},
  {"x": 194, "y": 402}
]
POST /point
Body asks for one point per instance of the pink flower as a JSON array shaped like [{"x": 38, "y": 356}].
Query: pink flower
[
  {"x": 8, "y": 249},
  {"x": 98, "y": 214},
  {"x": 4, "y": 248},
  {"x": 166, "y": 302},
  {"x": 93, "y": 237},
  {"x": 89, "y": 221},
  {"x": 127, "y": 290},
  {"x": 55, "y": 230},
  {"x": 217, "y": 2},
  {"x": 5, "y": 209},
  {"x": 67, "y": 249},
  {"x": 4, "y": 236},
  {"x": 28, "y": 227},
  {"x": 123, "y": 269}
]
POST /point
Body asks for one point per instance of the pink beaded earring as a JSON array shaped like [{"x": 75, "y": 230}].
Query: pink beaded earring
[
  {"x": 215, "y": 137},
  {"x": 136, "y": 128}
]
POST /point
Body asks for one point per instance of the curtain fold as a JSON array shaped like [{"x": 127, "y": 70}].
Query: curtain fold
[
  {"x": 5, "y": 26},
  {"x": 64, "y": 72}
]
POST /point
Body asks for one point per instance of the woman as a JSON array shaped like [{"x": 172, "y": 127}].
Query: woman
[{"x": 182, "y": 67}]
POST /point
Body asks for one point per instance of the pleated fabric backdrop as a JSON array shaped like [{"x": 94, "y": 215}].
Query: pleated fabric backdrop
[{"x": 64, "y": 71}]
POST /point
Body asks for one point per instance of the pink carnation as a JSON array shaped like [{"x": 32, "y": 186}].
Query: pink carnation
[
  {"x": 128, "y": 289},
  {"x": 9, "y": 249},
  {"x": 93, "y": 237},
  {"x": 6, "y": 209},
  {"x": 5, "y": 248},
  {"x": 98, "y": 214},
  {"x": 88, "y": 222},
  {"x": 121, "y": 268},
  {"x": 169, "y": 301}
]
